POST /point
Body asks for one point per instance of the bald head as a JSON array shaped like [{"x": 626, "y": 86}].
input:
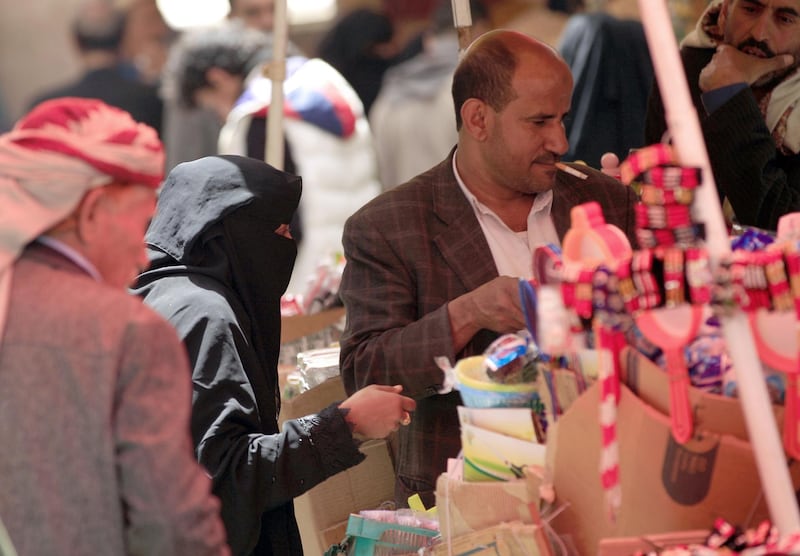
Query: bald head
[
  {"x": 98, "y": 26},
  {"x": 487, "y": 69}
]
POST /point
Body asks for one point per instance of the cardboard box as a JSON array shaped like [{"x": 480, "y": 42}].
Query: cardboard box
[
  {"x": 322, "y": 512},
  {"x": 666, "y": 486},
  {"x": 504, "y": 539},
  {"x": 313, "y": 400},
  {"x": 305, "y": 332},
  {"x": 711, "y": 412},
  {"x": 331, "y": 536},
  {"x": 464, "y": 507},
  {"x": 296, "y": 327}
]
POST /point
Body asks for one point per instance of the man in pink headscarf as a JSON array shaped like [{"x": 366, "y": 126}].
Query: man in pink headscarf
[{"x": 94, "y": 387}]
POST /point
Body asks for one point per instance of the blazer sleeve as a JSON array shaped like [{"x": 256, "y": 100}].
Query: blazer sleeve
[
  {"x": 165, "y": 494},
  {"x": 397, "y": 320}
]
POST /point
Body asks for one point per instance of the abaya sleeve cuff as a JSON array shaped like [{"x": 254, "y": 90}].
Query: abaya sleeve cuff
[{"x": 333, "y": 437}]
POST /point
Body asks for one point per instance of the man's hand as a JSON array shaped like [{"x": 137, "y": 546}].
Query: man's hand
[
  {"x": 495, "y": 306},
  {"x": 729, "y": 66},
  {"x": 375, "y": 411}
]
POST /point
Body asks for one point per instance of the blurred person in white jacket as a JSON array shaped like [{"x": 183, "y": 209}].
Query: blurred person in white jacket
[
  {"x": 417, "y": 93},
  {"x": 327, "y": 137}
]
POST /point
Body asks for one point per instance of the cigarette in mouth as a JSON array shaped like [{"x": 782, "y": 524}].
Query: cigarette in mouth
[{"x": 570, "y": 170}]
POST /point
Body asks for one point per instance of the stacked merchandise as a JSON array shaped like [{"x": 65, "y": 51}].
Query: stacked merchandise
[
  {"x": 662, "y": 459},
  {"x": 663, "y": 469},
  {"x": 668, "y": 466},
  {"x": 490, "y": 497},
  {"x": 488, "y": 501}
]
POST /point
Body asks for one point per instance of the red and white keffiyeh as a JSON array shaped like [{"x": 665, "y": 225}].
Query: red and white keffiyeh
[
  {"x": 53, "y": 156},
  {"x": 778, "y": 107}
]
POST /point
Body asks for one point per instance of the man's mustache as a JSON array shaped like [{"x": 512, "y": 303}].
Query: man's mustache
[{"x": 758, "y": 45}]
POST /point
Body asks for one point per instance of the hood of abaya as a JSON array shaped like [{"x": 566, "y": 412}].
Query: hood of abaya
[
  {"x": 199, "y": 194},
  {"x": 217, "y": 216}
]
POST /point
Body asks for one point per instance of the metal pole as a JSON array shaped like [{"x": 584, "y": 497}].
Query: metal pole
[
  {"x": 276, "y": 71},
  {"x": 462, "y": 20}
]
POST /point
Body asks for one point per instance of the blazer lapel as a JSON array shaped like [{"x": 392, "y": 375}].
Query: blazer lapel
[
  {"x": 566, "y": 194},
  {"x": 460, "y": 241}
]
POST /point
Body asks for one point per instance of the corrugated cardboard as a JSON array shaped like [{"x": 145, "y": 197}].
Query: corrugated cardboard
[
  {"x": 295, "y": 327},
  {"x": 364, "y": 487},
  {"x": 712, "y": 412},
  {"x": 505, "y": 539},
  {"x": 322, "y": 510},
  {"x": 666, "y": 486},
  {"x": 330, "y": 536},
  {"x": 464, "y": 507},
  {"x": 306, "y": 332},
  {"x": 313, "y": 400}
]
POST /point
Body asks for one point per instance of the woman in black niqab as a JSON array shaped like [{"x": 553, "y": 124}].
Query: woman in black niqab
[
  {"x": 217, "y": 217},
  {"x": 218, "y": 270}
]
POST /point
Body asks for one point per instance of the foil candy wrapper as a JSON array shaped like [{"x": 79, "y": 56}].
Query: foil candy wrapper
[{"x": 512, "y": 359}]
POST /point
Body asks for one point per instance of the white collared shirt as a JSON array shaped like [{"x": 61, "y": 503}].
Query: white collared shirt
[
  {"x": 72, "y": 255},
  {"x": 513, "y": 251}
]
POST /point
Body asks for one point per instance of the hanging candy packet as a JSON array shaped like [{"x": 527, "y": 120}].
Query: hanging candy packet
[
  {"x": 751, "y": 239},
  {"x": 511, "y": 359}
]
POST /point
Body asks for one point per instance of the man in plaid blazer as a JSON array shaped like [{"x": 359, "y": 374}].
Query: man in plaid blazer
[{"x": 433, "y": 264}]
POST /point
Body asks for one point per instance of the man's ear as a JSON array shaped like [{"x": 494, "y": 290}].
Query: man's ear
[
  {"x": 90, "y": 214},
  {"x": 723, "y": 15},
  {"x": 475, "y": 118}
]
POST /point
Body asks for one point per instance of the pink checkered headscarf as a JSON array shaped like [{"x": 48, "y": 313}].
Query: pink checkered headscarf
[{"x": 53, "y": 156}]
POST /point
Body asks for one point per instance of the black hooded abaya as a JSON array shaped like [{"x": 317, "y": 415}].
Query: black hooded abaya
[{"x": 217, "y": 273}]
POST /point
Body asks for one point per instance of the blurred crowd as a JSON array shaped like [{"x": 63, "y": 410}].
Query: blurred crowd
[{"x": 389, "y": 67}]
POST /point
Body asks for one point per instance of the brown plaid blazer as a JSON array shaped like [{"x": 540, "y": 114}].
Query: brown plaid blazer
[{"x": 410, "y": 251}]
